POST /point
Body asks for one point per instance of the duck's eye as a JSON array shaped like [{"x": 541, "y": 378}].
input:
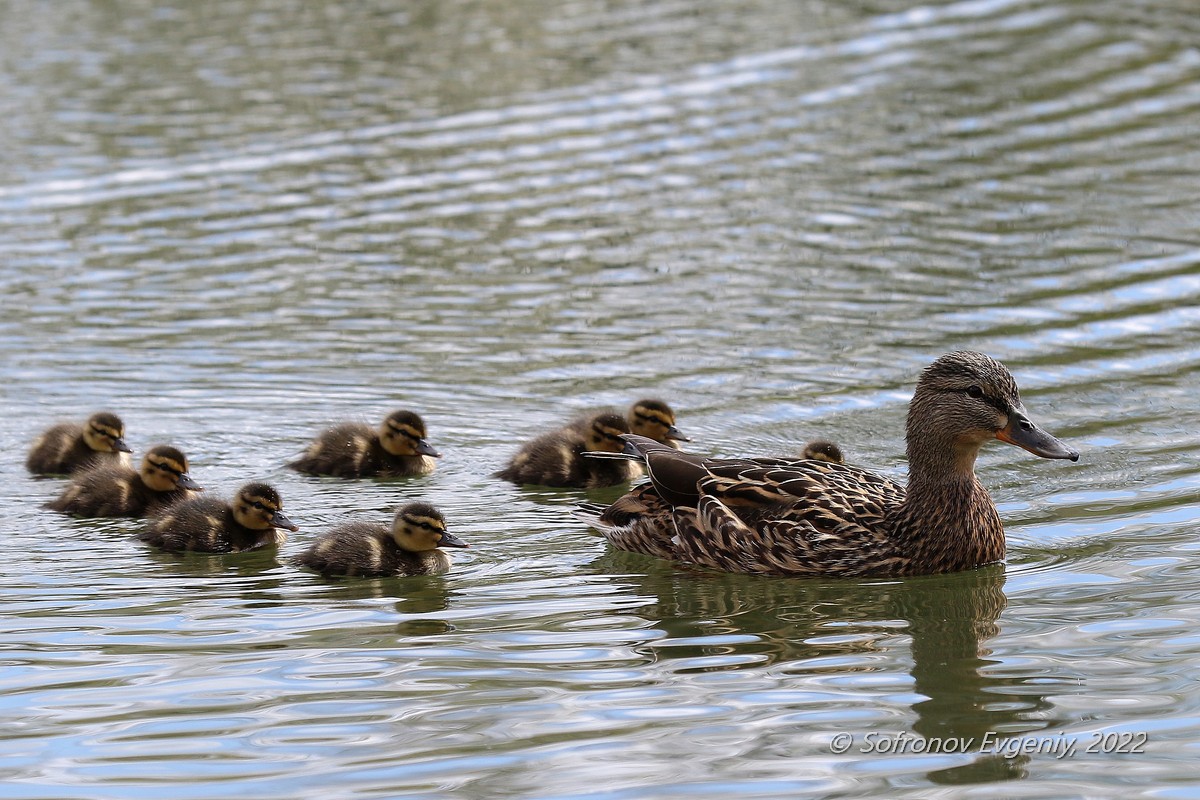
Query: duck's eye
[
  {"x": 259, "y": 506},
  {"x": 975, "y": 391}
]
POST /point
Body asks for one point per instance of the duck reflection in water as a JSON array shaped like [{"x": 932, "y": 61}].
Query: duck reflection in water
[{"x": 817, "y": 627}]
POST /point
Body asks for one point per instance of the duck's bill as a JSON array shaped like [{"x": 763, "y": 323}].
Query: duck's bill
[
  {"x": 677, "y": 435},
  {"x": 450, "y": 540},
  {"x": 185, "y": 482},
  {"x": 426, "y": 449},
  {"x": 280, "y": 520},
  {"x": 1024, "y": 433},
  {"x": 119, "y": 446}
]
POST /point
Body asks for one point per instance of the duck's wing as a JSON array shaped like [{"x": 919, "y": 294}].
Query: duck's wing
[{"x": 796, "y": 518}]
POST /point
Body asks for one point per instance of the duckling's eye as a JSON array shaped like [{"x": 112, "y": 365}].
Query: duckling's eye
[
  {"x": 975, "y": 391},
  {"x": 259, "y": 506}
]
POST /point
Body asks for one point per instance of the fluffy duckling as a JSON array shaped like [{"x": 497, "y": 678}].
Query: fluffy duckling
[
  {"x": 408, "y": 547},
  {"x": 655, "y": 420},
  {"x": 69, "y": 447},
  {"x": 212, "y": 525},
  {"x": 115, "y": 490},
  {"x": 823, "y": 450},
  {"x": 352, "y": 450},
  {"x": 557, "y": 458}
]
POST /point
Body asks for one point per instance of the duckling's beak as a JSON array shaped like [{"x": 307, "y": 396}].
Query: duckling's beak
[
  {"x": 280, "y": 520},
  {"x": 676, "y": 434},
  {"x": 185, "y": 482},
  {"x": 450, "y": 540},
  {"x": 426, "y": 449},
  {"x": 119, "y": 446},
  {"x": 1022, "y": 432}
]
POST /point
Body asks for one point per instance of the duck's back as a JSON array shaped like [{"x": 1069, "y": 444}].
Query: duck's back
[
  {"x": 112, "y": 490},
  {"x": 367, "y": 549},
  {"x": 205, "y": 525},
  {"x": 557, "y": 459},
  {"x": 61, "y": 450},
  {"x": 776, "y": 516}
]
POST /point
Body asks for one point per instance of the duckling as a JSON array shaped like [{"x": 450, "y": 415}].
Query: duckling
[
  {"x": 788, "y": 517},
  {"x": 69, "y": 447},
  {"x": 557, "y": 458},
  {"x": 212, "y": 525},
  {"x": 823, "y": 450},
  {"x": 352, "y": 450},
  {"x": 115, "y": 490},
  {"x": 409, "y": 547},
  {"x": 655, "y": 420}
]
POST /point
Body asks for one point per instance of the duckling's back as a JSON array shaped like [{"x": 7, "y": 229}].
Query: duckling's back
[
  {"x": 204, "y": 525},
  {"x": 61, "y": 450},
  {"x": 367, "y": 549},
  {"x": 112, "y": 490}
]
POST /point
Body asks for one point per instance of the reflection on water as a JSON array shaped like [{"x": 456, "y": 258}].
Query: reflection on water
[{"x": 236, "y": 225}]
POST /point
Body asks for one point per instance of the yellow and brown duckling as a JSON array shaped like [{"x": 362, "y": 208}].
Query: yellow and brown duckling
[
  {"x": 788, "y": 517},
  {"x": 655, "y": 420},
  {"x": 557, "y": 458},
  {"x": 823, "y": 450},
  {"x": 70, "y": 447},
  {"x": 211, "y": 525},
  {"x": 115, "y": 490},
  {"x": 410, "y": 546},
  {"x": 396, "y": 449}
]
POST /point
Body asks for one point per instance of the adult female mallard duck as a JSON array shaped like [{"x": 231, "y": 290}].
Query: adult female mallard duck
[
  {"x": 408, "y": 547},
  {"x": 557, "y": 458},
  {"x": 115, "y": 490},
  {"x": 212, "y": 525},
  {"x": 69, "y": 447},
  {"x": 352, "y": 450},
  {"x": 655, "y": 420},
  {"x": 809, "y": 517}
]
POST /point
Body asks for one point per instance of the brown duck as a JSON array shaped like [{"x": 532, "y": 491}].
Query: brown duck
[
  {"x": 68, "y": 447},
  {"x": 211, "y": 525},
  {"x": 115, "y": 490},
  {"x": 353, "y": 450},
  {"x": 811, "y": 517},
  {"x": 410, "y": 546},
  {"x": 556, "y": 458}
]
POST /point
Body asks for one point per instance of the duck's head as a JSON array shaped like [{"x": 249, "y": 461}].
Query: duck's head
[
  {"x": 655, "y": 420},
  {"x": 823, "y": 450},
  {"x": 403, "y": 434},
  {"x": 104, "y": 432},
  {"x": 604, "y": 431},
  {"x": 165, "y": 469},
  {"x": 258, "y": 507},
  {"x": 965, "y": 399},
  {"x": 419, "y": 527}
]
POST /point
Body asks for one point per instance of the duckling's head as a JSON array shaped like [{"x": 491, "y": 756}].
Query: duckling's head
[
  {"x": 403, "y": 434},
  {"x": 258, "y": 507},
  {"x": 964, "y": 399},
  {"x": 419, "y": 527},
  {"x": 655, "y": 420},
  {"x": 165, "y": 469},
  {"x": 104, "y": 432},
  {"x": 603, "y": 432},
  {"x": 823, "y": 450}
]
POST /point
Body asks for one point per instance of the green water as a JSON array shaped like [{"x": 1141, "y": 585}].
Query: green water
[{"x": 237, "y": 223}]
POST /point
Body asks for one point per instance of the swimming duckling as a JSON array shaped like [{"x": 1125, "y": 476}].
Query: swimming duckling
[
  {"x": 115, "y": 490},
  {"x": 655, "y": 420},
  {"x": 408, "y": 547},
  {"x": 352, "y": 450},
  {"x": 791, "y": 517},
  {"x": 823, "y": 450},
  {"x": 211, "y": 525},
  {"x": 557, "y": 458},
  {"x": 69, "y": 447}
]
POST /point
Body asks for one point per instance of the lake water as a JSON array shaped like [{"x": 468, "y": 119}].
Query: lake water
[{"x": 237, "y": 223}]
